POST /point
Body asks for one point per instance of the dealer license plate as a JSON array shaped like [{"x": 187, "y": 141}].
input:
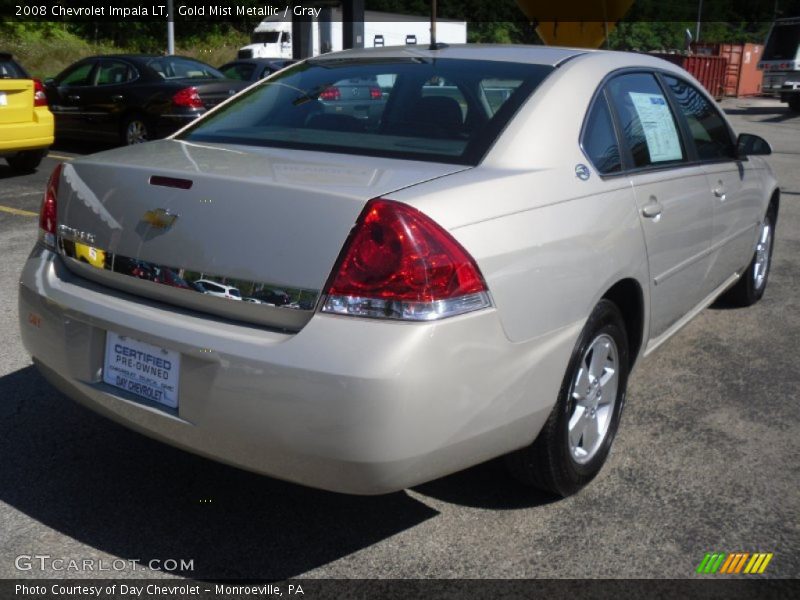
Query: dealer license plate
[{"x": 142, "y": 369}]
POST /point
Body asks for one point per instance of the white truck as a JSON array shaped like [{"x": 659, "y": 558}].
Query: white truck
[
  {"x": 781, "y": 62},
  {"x": 272, "y": 37}
]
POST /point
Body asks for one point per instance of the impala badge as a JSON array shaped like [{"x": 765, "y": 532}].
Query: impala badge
[{"x": 160, "y": 218}]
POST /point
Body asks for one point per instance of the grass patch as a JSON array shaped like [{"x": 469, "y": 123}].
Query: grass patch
[{"x": 46, "y": 51}]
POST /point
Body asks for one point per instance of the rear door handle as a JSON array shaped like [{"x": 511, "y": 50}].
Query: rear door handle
[
  {"x": 652, "y": 210},
  {"x": 117, "y": 98},
  {"x": 73, "y": 97}
]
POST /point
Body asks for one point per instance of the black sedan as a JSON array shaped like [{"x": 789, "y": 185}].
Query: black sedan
[
  {"x": 133, "y": 98},
  {"x": 254, "y": 69}
]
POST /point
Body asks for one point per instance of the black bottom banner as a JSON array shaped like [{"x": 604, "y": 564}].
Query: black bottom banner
[{"x": 456, "y": 589}]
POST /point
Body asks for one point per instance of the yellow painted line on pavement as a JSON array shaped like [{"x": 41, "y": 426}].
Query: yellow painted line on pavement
[
  {"x": 59, "y": 156},
  {"x": 18, "y": 211}
]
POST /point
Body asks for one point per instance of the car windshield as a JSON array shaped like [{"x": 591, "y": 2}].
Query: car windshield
[
  {"x": 443, "y": 110},
  {"x": 171, "y": 67},
  {"x": 783, "y": 43},
  {"x": 265, "y": 37}
]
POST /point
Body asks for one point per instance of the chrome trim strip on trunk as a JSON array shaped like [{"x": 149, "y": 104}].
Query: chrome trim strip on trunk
[{"x": 262, "y": 303}]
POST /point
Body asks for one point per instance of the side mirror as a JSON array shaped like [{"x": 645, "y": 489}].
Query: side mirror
[{"x": 752, "y": 145}]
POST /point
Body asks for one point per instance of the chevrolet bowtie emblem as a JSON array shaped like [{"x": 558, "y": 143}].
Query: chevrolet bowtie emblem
[{"x": 159, "y": 218}]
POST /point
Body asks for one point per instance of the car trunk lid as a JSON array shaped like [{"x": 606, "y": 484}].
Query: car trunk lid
[
  {"x": 16, "y": 100},
  {"x": 269, "y": 222},
  {"x": 215, "y": 91}
]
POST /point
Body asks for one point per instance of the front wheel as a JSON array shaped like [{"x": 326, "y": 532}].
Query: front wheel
[{"x": 576, "y": 439}]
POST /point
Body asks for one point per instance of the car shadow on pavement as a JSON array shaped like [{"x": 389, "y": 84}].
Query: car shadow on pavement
[
  {"x": 117, "y": 491},
  {"x": 781, "y": 113},
  {"x": 124, "y": 494},
  {"x": 488, "y": 486},
  {"x": 80, "y": 147}
]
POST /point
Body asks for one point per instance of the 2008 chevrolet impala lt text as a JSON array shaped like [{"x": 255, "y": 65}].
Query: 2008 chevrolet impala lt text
[{"x": 363, "y": 294}]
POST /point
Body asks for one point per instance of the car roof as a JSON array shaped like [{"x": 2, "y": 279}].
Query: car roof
[
  {"x": 542, "y": 55},
  {"x": 140, "y": 57},
  {"x": 225, "y": 285},
  {"x": 260, "y": 60}
]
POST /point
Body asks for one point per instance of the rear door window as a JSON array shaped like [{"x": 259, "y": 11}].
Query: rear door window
[
  {"x": 113, "y": 72},
  {"x": 11, "y": 70},
  {"x": 600, "y": 140},
  {"x": 646, "y": 121},
  {"x": 79, "y": 75},
  {"x": 174, "y": 67},
  {"x": 710, "y": 133}
]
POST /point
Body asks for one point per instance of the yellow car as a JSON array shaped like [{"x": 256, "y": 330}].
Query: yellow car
[{"x": 26, "y": 123}]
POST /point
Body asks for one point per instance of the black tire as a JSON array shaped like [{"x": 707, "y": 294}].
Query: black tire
[
  {"x": 549, "y": 462},
  {"x": 135, "y": 130},
  {"x": 794, "y": 103},
  {"x": 750, "y": 287},
  {"x": 27, "y": 161}
]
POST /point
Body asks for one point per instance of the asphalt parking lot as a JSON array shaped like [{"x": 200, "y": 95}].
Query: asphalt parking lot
[{"x": 705, "y": 461}]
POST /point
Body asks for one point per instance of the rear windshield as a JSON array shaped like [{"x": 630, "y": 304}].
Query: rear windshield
[
  {"x": 170, "y": 67},
  {"x": 783, "y": 43},
  {"x": 444, "y": 110},
  {"x": 11, "y": 70}
]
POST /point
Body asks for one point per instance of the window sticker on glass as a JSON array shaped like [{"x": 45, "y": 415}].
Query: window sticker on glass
[{"x": 659, "y": 128}]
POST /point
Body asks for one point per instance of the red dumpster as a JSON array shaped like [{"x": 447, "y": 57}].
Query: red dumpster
[
  {"x": 708, "y": 70},
  {"x": 742, "y": 78}
]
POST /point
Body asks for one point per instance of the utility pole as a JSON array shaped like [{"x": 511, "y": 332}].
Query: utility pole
[
  {"x": 170, "y": 28},
  {"x": 433, "y": 24},
  {"x": 699, "y": 17}
]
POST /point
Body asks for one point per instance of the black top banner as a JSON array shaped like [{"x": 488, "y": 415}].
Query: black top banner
[{"x": 522, "y": 11}]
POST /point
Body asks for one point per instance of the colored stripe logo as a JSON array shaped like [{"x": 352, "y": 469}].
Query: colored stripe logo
[{"x": 734, "y": 563}]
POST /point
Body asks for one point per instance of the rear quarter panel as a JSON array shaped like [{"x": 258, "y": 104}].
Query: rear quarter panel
[
  {"x": 549, "y": 244},
  {"x": 555, "y": 247}
]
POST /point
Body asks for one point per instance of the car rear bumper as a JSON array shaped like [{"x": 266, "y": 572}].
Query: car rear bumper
[
  {"x": 31, "y": 135},
  {"x": 349, "y": 405}
]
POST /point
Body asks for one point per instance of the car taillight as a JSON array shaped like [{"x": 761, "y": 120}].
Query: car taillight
[
  {"x": 187, "y": 98},
  {"x": 399, "y": 264},
  {"x": 330, "y": 93},
  {"x": 49, "y": 210},
  {"x": 39, "y": 97},
  {"x": 375, "y": 93}
]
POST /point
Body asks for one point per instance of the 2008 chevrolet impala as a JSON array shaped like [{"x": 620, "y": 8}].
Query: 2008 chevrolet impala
[{"x": 466, "y": 263}]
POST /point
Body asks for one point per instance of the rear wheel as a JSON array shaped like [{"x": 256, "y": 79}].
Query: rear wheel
[
  {"x": 575, "y": 441},
  {"x": 751, "y": 285},
  {"x": 135, "y": 130},
  {"x": 26, "y": 162}
]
